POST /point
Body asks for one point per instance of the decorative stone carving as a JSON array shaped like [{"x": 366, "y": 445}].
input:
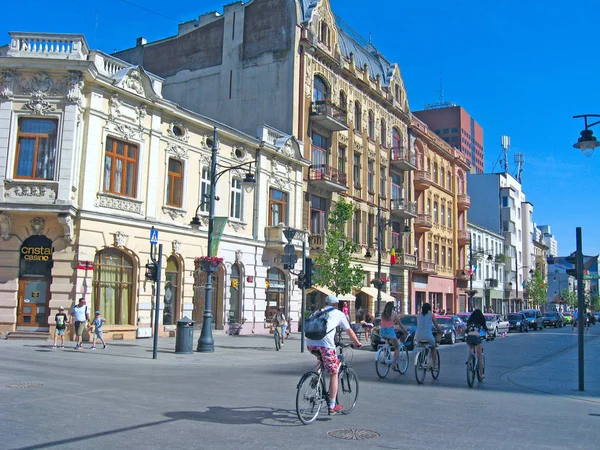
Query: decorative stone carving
[
  {"x": 66, "y": 220},
  {"x": 118, "y": 203},
  {"x": 372, "y": 155},
  {"x": 120, "y": 239},
  {"x": 7, "y": 83},
  {"x": 74, "y": 86},
  {"x": 140, "y": 112},
  {"x": 237, "y": 226},
  {"x": 343, "y": 138},
  {"x": 177, "y": 130},
  {"x": 176, "y": 245},
  {"x": 177, "y": 151},
  {"x": 126, "y": 131},
  {"x": 384, "y": 161},
  {"x": 114, "y": 106},
  {"x": 38, "y": 105},
  {"x": 281, "y": 183},
  {"x": 205, "y": 160},
  {"x": 238, "y": 256},
  {"x": 37, "y": 225},
  {"x": 41, "y": 82},
  {"x": 31, "y": 192},
  {"x": 239, "y": 153},
  {"x": 174, "y": 213},
  {"x": 5, "y": 225},
  {"x": 133, "y": 82}
]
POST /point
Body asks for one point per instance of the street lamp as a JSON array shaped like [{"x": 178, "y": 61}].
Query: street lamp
[
  {"x": 206, "y": 342},
  {"x": 516, "y": 278},
  {"x": 381, "y": 225},
  {"x": 477, "y": 253},
  {"x": 587, "y": 143}
]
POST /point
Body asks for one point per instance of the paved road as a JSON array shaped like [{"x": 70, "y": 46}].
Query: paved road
[{"x": 242, "y": 396}]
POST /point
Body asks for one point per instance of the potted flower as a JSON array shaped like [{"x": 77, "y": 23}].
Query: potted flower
[
  {"x": 379, "y": 283},
  {"x": 208, "y": 263}
]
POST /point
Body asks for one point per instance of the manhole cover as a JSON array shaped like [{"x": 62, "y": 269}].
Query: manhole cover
[
  {"x": 353, "y": 434},
  {"x": 24, "y": 385}
]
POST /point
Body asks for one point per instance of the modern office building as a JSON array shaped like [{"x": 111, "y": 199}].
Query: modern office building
[
  {"x": 455, "y": 126},
  {"x": 548, "y": 239}
]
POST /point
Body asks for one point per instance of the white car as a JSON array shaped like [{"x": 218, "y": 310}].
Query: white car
[{"x": 496, "y": 324}]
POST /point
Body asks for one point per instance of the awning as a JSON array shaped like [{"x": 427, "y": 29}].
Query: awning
[
  {"x": 322, "y": 289},
  {"x": 327, "y": 291},
  {"x": 347, "y": 298},
  {"x": 372, "y": 292}
]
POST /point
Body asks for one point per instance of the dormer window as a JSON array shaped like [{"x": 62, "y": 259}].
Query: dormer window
[{"x": 325, "y": 35}]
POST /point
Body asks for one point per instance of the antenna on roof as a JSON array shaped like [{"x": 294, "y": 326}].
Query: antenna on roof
[
  {"x": 519, "y": 160},
  {"x": 441, "y": 103},
  {"x": 505, "y": 143}
]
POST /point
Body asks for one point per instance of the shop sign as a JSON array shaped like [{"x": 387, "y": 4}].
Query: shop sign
[{"x": 36, "y": 253}]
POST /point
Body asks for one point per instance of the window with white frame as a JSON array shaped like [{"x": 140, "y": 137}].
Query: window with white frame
[
  {"x": 204, "y": 189},
  {"x": 236, "y": 199},
  {"x": 36, "y": 149}
]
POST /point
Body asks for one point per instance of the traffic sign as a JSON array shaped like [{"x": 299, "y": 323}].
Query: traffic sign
[
  {"x": 591, "y": 276},
  {"x": 289, "y": 234},
  {"x": 289, "y": 260},
  {"x": 289, "y": 249},
  {"x": 153, "y": 236}
]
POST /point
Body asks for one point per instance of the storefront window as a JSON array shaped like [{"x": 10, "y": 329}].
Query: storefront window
[{"x": 113, "y": 286}]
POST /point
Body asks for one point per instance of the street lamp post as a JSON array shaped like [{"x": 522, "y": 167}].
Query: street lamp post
[
  {"x": 206, "y": 342},
  {"x": 516, "y": 278},
  {"x": 489, "y": 258},
  {"x": 587, "y": 143}
]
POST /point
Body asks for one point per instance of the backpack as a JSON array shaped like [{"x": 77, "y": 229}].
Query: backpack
[{"x": 315, "y": 328}]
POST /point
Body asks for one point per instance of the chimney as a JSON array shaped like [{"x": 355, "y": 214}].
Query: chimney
[{"x": 141, "y": 41}]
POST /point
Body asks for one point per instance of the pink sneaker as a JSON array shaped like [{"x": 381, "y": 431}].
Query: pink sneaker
[{"x": 336, "y": 410}]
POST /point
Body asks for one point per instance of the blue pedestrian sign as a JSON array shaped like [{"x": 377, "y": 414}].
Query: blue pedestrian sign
[{"x": 153, "y": 236}]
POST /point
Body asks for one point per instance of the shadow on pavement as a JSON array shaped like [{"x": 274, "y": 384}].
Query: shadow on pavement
[{"x": 240, "y": 416}]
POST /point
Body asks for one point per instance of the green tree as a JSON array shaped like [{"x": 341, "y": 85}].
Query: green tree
[
  {"x": 537, "y": 290},
  {"x": 570, "y": 298},
  {"x": 592, "y": 301},
  {"x": 335, "y": 269}
]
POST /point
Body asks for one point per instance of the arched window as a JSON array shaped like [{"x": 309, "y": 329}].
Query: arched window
[
  {"x": 396, "y": 144},
  {"x": 113, "y": 288},
  {"x": 449, "y": 180},
  {"x": 371, "y": 125},
  {"x": 357, "y": 117},
  {"x": 235, "y": 295},
  {"x": 383, "y": 133},
  {"x": 171, "y": 299},
  {"x": 320, "y": 90},
  {"x": 275, "y": 292}
]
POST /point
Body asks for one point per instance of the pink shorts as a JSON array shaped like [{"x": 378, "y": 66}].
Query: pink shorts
[{"x": 331, "y": 363}]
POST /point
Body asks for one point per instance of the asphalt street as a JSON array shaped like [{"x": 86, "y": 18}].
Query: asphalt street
[{"x": 243, "y": 396}]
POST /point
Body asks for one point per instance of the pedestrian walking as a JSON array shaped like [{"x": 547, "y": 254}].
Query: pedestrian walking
[
  {"x": 97, "y": 324},
  {"x": 80, "y": 317},
  {"x": 346, "y": 311},
  {"x": 61, "y": 323}
]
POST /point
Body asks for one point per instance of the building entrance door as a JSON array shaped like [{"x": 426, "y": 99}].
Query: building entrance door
[{"x": 32, "y": 311}]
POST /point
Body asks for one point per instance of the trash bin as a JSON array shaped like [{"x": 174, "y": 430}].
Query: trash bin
[{"x": 184, "y": 339}]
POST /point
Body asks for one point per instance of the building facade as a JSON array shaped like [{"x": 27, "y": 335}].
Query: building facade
[
  {"x": 92, "y": 157},
  {"x": 456, "y": 127}
]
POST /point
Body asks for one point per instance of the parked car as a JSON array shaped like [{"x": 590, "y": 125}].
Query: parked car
[
  {"x": 503, "y": 324},
  {"x": 410, "y": 323},
  {"x": 568, "y": 317},
  {"x": 453, "y": 327},
  {"x": 553, "y": 319},
  {"x": 491, "y": 320},
  {"x": 518, "y": 321},
  {"x": 534, "y": 317},
  {"x": 464, "y": 316}
]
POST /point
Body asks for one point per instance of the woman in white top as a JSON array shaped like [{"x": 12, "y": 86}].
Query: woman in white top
[{"x": 425, "y": 322}]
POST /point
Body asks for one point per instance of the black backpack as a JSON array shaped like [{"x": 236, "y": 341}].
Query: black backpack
[{"x": 315, "y": 328}]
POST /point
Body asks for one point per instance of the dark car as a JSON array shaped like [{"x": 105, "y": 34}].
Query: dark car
[
  {"x": 453, "y": 328},
  {"x": 410, "y": 323},
  {"x": 553, "y": 319},
  {"x": 518, "y": 322},
  {"x": 534, "y": 317}
]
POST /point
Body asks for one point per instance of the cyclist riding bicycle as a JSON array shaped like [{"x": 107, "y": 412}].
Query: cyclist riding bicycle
[
  {"x": 386, "y": 330},
  {"x": 425, "y": 322},
  {"x": 280, "y": 322},
  {"x": 324, "y": 349},
  {"x": 475, "y": 325}
]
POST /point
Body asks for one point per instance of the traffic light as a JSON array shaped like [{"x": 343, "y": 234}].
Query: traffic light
[
  {"x": 572, "y": 259},
  {"x": 309, "y": 271},
  {"x": 152, "y": 271},
  {"x": 301, "y": 280}
]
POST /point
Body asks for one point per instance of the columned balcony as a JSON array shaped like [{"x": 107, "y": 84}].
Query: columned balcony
[
  {"x": 403, "y": 208},
  {"x": 463, "y": 202},
  {"x": 463, "y": 237},
  {"x": 422, "y": 180},
  {"x": 327, "y": 178},
  {"x": 425, "y": 266},
  {"x": 316, "y": 242},
  {"x": 406, "y": 261},
  {"x": 403, "y": 159},
  {"x": 328, "y": 115},
  {"x": 423, "y": 222},
  {"x": 276, "y": 240}
]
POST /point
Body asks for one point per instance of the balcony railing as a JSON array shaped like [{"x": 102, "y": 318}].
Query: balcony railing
[
  {"x": 316, "y": 241},
  {"x": 463, "y": 237},
  {"x": 407, "y": 260},
  {"x": 423, "y": 222},
  {"x": 463, "y": 202},
  {"x": 58, "y": 46},
  {"x": 332, "y": 177},
  {"x": 426, "y": 266},
  {"x": 403, "y": 207},
  {"x": 329, "y": 115},
  {"x": 422, "y": 179},
  {"x": 403, "y": 158}
]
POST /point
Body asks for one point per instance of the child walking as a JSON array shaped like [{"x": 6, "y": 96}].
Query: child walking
[
  {"x": 61, "y": 323},
  {"x": 97, "y": 323}
]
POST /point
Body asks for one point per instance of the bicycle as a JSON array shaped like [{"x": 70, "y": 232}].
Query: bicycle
[
  {"x": 423, "y": 361},
  {"x": 385, "y": 358},
  {"x": 473, "y": 365},
  {"x": 312, "y": 392}
]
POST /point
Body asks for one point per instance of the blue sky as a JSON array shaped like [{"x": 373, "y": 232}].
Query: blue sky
[{"x": 519, "y": 68}]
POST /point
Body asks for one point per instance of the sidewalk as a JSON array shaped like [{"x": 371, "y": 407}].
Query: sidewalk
[{"x": 559, "y": 374}]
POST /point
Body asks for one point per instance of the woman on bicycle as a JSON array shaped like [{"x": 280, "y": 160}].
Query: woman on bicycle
[
  {"x": 475, "y": 325},
  {"x": 386, "y": 331},
  {"x": 425, "y": 322}
]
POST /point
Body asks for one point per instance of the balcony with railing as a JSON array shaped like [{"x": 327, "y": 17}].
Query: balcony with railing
[
  {"x": 462, "y": 274},
  {"x": 402, "y": 158},
  {"x": 275, "y": 238},
  {"x": 463, "y": 202},
  {"x": 425, "y": 266},
  {"x": 48, "y": 45},
  {"x": 326, "y": 177},
  {"x": 422, "y": 179},
  {"x": 328, "y": 115},
  {"x": 403, "y": 208},
  {"x": 406, "y": 260},
  {"x": 316, "y": 242},
  {"x": 423, "y": 222},
  {"x": 463, "y": 237}
]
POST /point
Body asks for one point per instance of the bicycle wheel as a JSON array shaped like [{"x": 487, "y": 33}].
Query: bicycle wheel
[
  {"x": 403, "y": 360},
  {"x": 435, "y": 369},
  {"x": 471, "y": 370},
  {"x": 420, "y": 366},
  {"x": 381, "y": 362},
  {"x": 347, "y": 395},
  {"x": 480, "y": 377},
  {"x": 309, "y": 397},
  {"x": 277, "y": 338}
]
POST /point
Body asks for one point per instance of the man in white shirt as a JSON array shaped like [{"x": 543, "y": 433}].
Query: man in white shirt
[
  {"x": 324, "y": 349},
  {"x": 81, "y": 316}
]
